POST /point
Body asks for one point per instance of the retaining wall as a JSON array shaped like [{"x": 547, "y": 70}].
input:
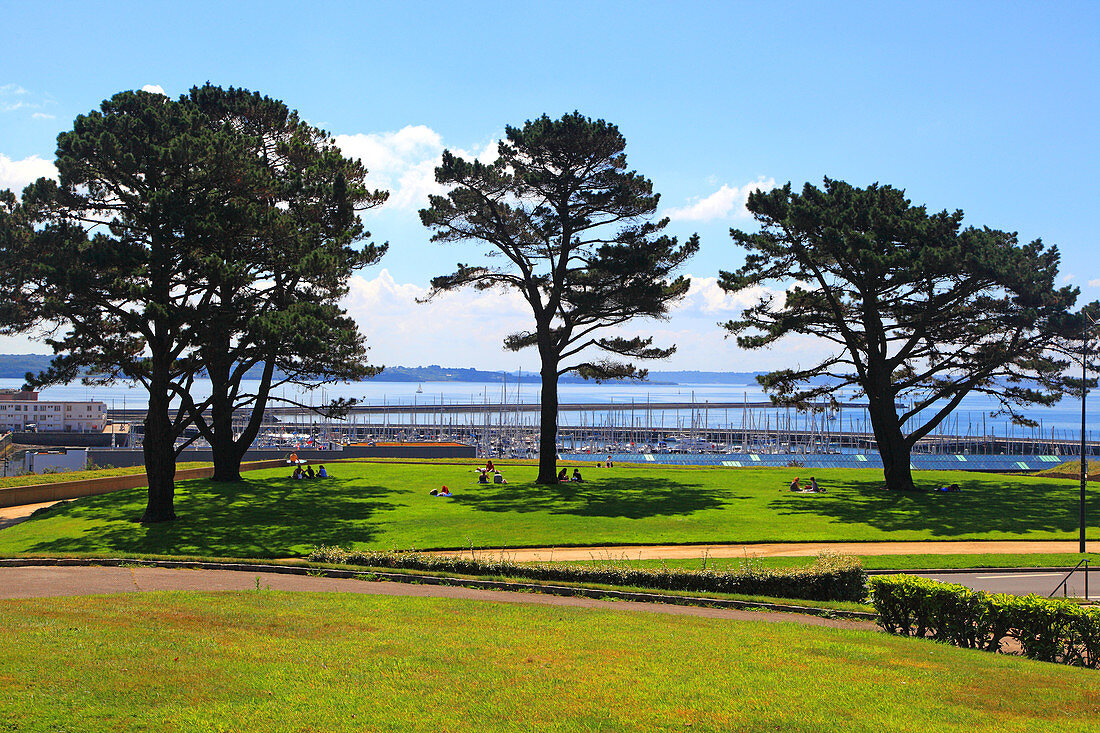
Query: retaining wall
[
  {"x": 38, "y": 493},
  {"x": 62, "y": 439},
  {"x": 125, "y": 457}
]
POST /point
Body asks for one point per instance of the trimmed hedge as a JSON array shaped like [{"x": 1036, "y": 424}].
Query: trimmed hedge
[
  {"x": 829, "y": 578},
  {"x": 1042, "y": 628}
]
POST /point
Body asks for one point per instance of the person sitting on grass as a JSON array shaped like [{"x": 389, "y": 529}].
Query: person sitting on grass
[
  {"x": 814, "y": 487},
  {"x": 563, "y": 475},
  {"x": 794, "y": 485},
  {"x": 483, "y": 478},
  {"x": 577, "y": 476},
  {"x": 321, "y": 472},
  {"x": 498, "y": 478},
  {"x": 309, "y": 472},
  {"x": 489, "y": 466},
  {"x": 445, "y": 492}
]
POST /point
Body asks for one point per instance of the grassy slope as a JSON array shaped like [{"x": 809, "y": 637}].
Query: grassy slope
[
  {"x": 31, "y": 479},
  {"x": 386, "y": 506},
  {"x": 1072, "y": 469},
  {"x": 266, "y": 661}
]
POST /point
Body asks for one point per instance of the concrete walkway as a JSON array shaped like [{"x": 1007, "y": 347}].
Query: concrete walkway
[
  {"x": 10, "y": 515},
  {"x": 51, "y": 581},
  {"x": 787, "y": 549}
]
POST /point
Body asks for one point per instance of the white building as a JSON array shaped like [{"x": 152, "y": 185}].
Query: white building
[{"x": 19, "y": 411}]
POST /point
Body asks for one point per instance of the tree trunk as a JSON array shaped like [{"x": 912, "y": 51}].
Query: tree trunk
[
  {"x": 893, "y": 448},
  {"x": 548, "y": 427},
  {"x": 160, "y": 458},
  {"x": 225, "y": 451}
]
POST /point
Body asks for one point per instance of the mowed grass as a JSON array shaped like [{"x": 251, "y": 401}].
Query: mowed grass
[
  {"x": 386, "y": 506},
  {"x": 30, "y": 479},
  {"x": 270, "y": 661}
]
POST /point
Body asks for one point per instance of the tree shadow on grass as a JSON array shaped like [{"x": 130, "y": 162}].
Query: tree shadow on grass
[
  {"x": 999, "y": 504},
  {"x": 631, "y": 498},
  {"x": 273, "y": 517}
]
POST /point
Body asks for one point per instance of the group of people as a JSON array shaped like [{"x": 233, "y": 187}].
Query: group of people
[
  {"x": 309, "y": 473},
  {"x": 609, "y": 463},
  {"x": 490, "y": 470},
  {"x": 810, "y": 488},
  {"x": 563, "y": 476}
]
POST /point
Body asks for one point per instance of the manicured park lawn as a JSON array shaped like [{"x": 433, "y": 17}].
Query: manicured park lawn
[
  {"x": 269, "y": 661},
  {"x": 387, "y": 506}
]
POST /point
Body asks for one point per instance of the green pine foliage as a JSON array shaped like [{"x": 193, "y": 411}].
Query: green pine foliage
[
  {"x": 920, "y": 311},
  {"x": 571, "y": 229}
]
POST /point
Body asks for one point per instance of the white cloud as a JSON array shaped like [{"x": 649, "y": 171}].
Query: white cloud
[
  {"x": 1068, "y": 278},
  {"x": 43, "y": 116},
  {"x": 467, "y": 327},
  {"x": 13, "y": 97},
  {"x": 16, "y": 174},
  {"x": 1094, "y": 283},
  {"x": 153, "y": 88},
  {"x": 705, "y": 297},
  {"x": 404, "y": 162},
  {"x": 462, "y": 328},
  {"x": 727, "y": 202}
]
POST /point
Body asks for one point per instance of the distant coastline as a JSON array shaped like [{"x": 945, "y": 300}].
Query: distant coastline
[{"x": 16, "y": 366}]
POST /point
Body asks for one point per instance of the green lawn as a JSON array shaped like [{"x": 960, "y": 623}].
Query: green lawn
[
  {"x": 387, "y": 506},
  {"x": 30, "y": 479},
  {"x": 269, "y": 661}
]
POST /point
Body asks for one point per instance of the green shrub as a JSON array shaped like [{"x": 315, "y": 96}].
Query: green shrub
[
  {"x": 1044, "y": 629},
  {"x": 829, "y": 578}
]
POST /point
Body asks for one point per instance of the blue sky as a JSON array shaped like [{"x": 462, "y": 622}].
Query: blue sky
[{"x": 988, "y": 107}]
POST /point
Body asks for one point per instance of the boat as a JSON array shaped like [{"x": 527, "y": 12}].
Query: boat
[{"x": 420, "y": 389}]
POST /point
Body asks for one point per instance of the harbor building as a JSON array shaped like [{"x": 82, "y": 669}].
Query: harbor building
[{"x": 21, "y": 411}]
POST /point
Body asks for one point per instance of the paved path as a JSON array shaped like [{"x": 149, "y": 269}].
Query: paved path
[
  {"x": 10, "y": 515},
  {"x": 47, "y": 581},
  {"x": 787, "y": 549},
  {"x": 1040, "y": 582}
]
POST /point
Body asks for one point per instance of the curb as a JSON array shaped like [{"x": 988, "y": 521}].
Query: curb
[{"x": 556, "y": 590}]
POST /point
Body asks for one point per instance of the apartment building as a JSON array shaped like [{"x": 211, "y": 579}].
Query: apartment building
[{"x": 21, "y": 411}]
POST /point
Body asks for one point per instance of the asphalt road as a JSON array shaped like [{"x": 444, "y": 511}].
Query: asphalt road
[{"x": 1040, "y": 582}]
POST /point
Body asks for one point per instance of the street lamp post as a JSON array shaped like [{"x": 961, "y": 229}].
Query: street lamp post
[{"x": 1084, "y": 446}]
